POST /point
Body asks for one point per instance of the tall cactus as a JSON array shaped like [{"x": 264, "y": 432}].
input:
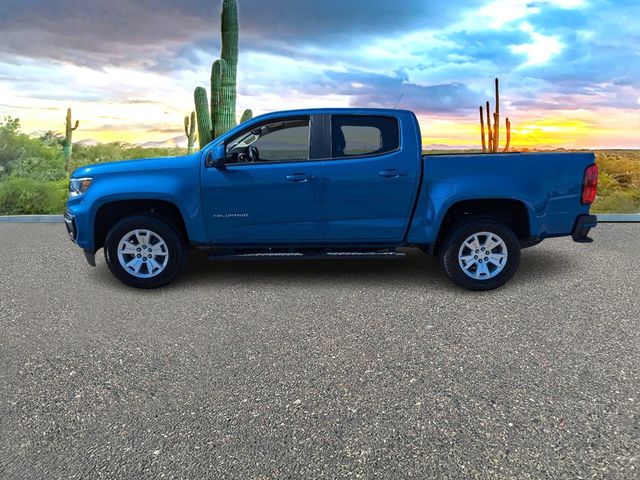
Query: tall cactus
[
  {"x": 221, "y": 112},
  {"x": 246, "y": 115},
  {"x": 489, "y": 130},
  {"x": 492, "y": 143},
  {"x": 68, "y": 140},
  {"x": 484, "y": 143},
  {"x": 190, "y": 132},
  {"x": 508, "y": 124},
  {"x": 218, "y": 72},
  {"x": 205, "y": 127},
  {"x": 230, "y": 34},
  {"x": 496, "y": 121}
]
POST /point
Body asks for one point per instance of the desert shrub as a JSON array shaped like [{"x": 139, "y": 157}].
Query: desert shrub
[
  {"x": 134, "y": 152},
  {"x": 20, "y": 196},
  {"x": 46, "y": 166},
  {"x": 10, "y": 144},
  {"x": 91, "y": 154},
  {"x": 24, "y": 156},
  {"x": 622, "y": 166},
  {"x": 606, "y": 183},
  {"x": 112, "y": 152},
  {"x": 617, "y": 202},
  {"x": 619, "y": 182}
]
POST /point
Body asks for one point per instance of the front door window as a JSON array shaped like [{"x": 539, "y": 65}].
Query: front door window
[{"x": 279, "y": 141}]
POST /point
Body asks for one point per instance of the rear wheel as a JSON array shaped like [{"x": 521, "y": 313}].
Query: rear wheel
[
  {"x": 480, "y": 254},
  {"x": 144, "y": 251}
]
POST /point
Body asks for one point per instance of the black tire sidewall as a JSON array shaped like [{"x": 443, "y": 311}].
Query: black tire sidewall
[
  {"x": 171, "y": 237},
  {"x": 462, "y": 231}
]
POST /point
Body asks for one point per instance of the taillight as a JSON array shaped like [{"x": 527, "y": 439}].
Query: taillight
[{"x": 590, "y": 185}]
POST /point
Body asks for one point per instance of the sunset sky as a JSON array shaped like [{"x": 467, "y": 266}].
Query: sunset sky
[{"x": 570, "y": 69}]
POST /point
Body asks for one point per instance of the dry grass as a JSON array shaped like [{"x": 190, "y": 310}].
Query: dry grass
[{"x": 619, "y": 183}]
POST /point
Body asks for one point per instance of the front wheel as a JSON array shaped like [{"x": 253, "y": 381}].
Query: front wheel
[
  {"x": 480, "y": 254},
  {"x": 144, "y": 251}
]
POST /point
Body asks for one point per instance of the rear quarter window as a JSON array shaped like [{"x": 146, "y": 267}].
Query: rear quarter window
[{"x": 361, "y": 135}]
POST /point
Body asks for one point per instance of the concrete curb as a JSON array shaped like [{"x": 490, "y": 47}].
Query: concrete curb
[
  {"x": 604, "y": 218},
  {"x": 31, "y": 218},
  {"x": 619, "y": 218}
]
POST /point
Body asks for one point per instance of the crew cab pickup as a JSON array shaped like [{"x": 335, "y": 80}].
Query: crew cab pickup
[{"x": 330, "y": 183}]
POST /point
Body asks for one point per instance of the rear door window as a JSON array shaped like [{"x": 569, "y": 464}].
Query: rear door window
[{"x": 362, "y": 135}]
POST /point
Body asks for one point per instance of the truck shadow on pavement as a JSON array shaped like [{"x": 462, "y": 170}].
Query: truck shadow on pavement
[{"x": 417, "y": 270}]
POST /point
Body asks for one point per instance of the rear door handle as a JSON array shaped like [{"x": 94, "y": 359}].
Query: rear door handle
[
  {"x": 392, "y": 173},
  {"x": 299, "y": 178}
]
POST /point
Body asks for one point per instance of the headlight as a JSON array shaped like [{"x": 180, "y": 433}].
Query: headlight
[{"x": 77, "y": 186}]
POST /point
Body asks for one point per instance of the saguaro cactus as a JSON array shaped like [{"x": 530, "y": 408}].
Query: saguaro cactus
[
  {"x": 222, "y": 109},
  {"x": 230, "y": 35},
  {"x": 205, "y": 127},
  {"x": 218, "y": 117},
  {"x": 492, "y": 142},
  {"x": 484, "y": 143},
  {"x": 68, "y": 140},
  {"x": 489, "y": 129},
  {"x": 246, "y": 115},
  {"x": 496, "y": 121},
  {"x": 190, "y": 131},
  {"x": 508, "y": 124}
]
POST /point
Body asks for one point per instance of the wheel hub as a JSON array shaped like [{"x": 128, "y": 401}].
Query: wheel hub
[
  {"x": 483, "y": 255},
  {"x": 143, "y": 253}
]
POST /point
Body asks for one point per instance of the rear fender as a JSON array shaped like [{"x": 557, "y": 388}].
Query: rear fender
[{"x": 437, "y": 198}]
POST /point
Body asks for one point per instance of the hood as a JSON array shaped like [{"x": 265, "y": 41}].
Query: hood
[{"x": 162, "y": 163}]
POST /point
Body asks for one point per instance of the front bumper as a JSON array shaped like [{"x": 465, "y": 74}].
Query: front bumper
[
  {"x": 580, "y": 232},
  {"x": 70, "y": 223},
  {"x": 72, "y": 230}
]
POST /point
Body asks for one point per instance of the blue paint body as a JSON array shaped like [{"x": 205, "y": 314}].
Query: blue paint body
[{"x": 345, "y": 202}]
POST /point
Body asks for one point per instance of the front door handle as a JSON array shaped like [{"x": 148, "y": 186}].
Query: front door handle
[
  {"x": 392, "y": 173},
  {"x": 299, "y": 178}
]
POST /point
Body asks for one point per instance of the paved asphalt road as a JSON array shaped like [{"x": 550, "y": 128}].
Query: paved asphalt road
[{"x": 353, "y": 369}]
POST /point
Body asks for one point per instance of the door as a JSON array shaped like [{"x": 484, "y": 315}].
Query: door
[
  {"x": 370, "y": 183},
  {"x": 268, "y": 191}
]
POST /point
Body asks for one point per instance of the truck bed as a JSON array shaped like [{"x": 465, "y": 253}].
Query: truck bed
[{"x": 548, "y": 184}]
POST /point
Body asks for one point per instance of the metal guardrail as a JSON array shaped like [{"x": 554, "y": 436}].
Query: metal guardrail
[{"x": 602, "y": 218}]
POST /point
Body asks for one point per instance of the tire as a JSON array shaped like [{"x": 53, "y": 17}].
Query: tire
[
  {"x": 146, "y": 243},
  {"x": 483, "y": 271}
]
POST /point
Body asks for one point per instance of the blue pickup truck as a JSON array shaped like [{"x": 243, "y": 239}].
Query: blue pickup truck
[{"x": 330, "y": 183}]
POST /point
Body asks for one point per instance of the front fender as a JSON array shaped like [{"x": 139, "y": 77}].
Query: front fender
[{"x": 179, "y": 190}]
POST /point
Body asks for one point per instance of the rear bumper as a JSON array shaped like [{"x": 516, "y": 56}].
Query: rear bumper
[{"x": 584, "y": 223}]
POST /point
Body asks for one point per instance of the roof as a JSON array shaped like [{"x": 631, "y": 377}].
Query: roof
[{"x": 345, "y": 111}]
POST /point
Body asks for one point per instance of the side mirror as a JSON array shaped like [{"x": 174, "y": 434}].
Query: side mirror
[{"x": 216, "y": 157}]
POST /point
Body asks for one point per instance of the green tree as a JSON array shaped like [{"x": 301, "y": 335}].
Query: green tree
[{"x": 9, "y": 149}]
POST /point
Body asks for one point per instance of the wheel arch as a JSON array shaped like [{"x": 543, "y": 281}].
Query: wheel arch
[
  {"x": 109, "y": 213},
  {"x": 512, "y": 212}
]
